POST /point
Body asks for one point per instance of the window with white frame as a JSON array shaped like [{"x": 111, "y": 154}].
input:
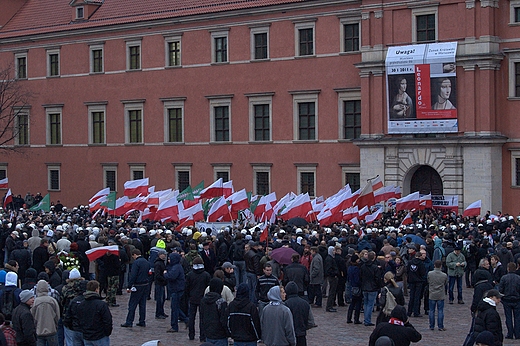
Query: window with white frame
[
  {"x": 80, "y": 12},
  {"x": 174, "y": 120},
  {"x": 260, "y": 119},
  {"x": 262, "y": 179},
  {"x": 96, "y": 58},
  {"x": 137, "y": 171},
  {"x": 424, "y": 24},
  {"x": 110, "y": 176},
  {"x": 307, "y": 179},
  {"x": 21, "y": 126},
  {"x": 514, "y": 73},
  {"x": 514, "y": 12},
  {"x": 53, "y": 62},
  {"x": 351, "y": 175},
  {"x": 219, "y": 46},
  {"x": 515, "y": 166},
  {"x": 20, "y": 64},
  {"x": 305, "y": 115},
  {"x": 133, "y": 55},
  {"x": 173, "y": 50},
  {"x": 349, "y": 115},
  {"x": 260, "y": 43},
  {"x": 222, "y": 171},
  {"x": 220, "y": 119},
  {"x": 304, "y": 38},
  {"x": 134, "y": 126},
  {"x": 54, "y": 116},
  {"x": 182, "y": 176},
  {"x": 3, "y": 170},
  {"x": 97, "y": 123},
  {"x": 350, "y": 34},
  {"x": 53, "y": 173}
]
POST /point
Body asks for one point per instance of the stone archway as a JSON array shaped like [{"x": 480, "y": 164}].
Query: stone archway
[{"x": 426, "y": 180}]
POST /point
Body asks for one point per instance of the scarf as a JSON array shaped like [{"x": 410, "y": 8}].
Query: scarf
[
  {"x": 490, "y": 301},
  {"x": 395, "y": 321}
]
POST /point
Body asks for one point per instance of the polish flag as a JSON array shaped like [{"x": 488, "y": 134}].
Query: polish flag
[
  {"x": 120, "y": 206},
  {"x": 384, "y": 194},
  {"x": 154, "y": 198},
  {"x": 99, "y": 194},
  {"x": 94, "y": 254},
  {"x": 282, "y": 202},
  {"x": 377, "y": 183},
  {"x": 264, "y": 227},
  {"x": 4, "y": 183},
  {"x": 425, "y": 202},
  {"x": 407, "y": 220},
  {"x": 194, "y": 212},
  {"x": 350, "y": 213},
  {"x": 238, "y": 201},
  {"x": 397, "y": 192},
  {"x": 214, "y": 190},
  {"x": 185, "y": 223},
  {"x": 8, "y": 199},
  {"x": 136, "y": 187},
  {"x": 227, "y": 188},
  {"x": 168, "y": 210},
  {"x": 408, "y": 202},
  {"x": 266, "y": 205},
  {"x": 354, "y": 221},
  {"x": 324, "y": 217},
  {"x": 96, "y": 205},
  {"x": 362, "y": 213},
  {"x": 366, "y": 197},
  {"x": 218, "y": 210},
  {"x": 472, "y": 210},
  {"x": 137, "y": 203},
  {"x": 374, "y": 216},
  {"x": 299, "y": 206},
  {"x": 147, "y": 213}
]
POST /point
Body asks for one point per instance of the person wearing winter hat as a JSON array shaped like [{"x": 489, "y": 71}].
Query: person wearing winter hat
[
  {"x": 46, "y": 313},
  {"x": 243, "y": 319},
  {"x": 213, "y": 314},
  {"x": 399, "y": 329},
  {"x": 10, "y": 292},
  {"x": 488, "y": 318},
  {"x": 23, "y": 320},
  {"x": 485, "y": 338},
  {"x": 196, "y": 282},
  {"x": 277, "y": 320},
  {"x": 75, "y": 287}
]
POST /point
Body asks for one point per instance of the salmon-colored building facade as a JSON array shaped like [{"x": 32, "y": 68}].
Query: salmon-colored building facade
[{"x": 275, "y": 95}]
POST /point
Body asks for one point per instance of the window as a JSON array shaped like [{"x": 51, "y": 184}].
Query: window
[
  {"x": 260, "y": 106},
  {"x": 260, "y": 43},
  {"x": 80, "y": 13},
  {"x": 514, "y": 73},
  {"x": 351, "y": 176},
  {"x": 53, "y": 63},
  {"x": 219, "y": 46},
  {"x": 262, "y": 178},
  {"x": 173, "y": 51},
  {"x": 22, "y": 126},
  {"x": 221, "y": 170},
  {"x": 137, "y": 171},
  {"x": 305, "y": 115},
  {"x": 3, "y": 171},
  {"x": 110, "y": 176},
  {"x": 223, "y": 175},
  {"x": 352, "y": 119},
  {"x": 53, "y": 173},
  {"x": 220, "y": 115},
  {"x": 351, "y": 37},
  {"x": 97, "y": 124},
  {"x": 134, "y": 122},
  {"x": 133, "y": 53},
  {"x": 21, "y": 65},
  {"x": 53, "y": 125},
  {"x": 96, "y": 59},
  {"x": 517, "y": 79},
  {"x": 514, "y": 11},
  {"x": 424, "y": 24},
  {"x": 307, "y": 180},
  {"x": 304, "y": 39},
  {"x": 173, "y": 119},
  {"x": 182, "y": 175}
]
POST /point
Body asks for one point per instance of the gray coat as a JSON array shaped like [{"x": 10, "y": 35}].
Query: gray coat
[
  {"x": 316, "y": 270},
  {"x": 436, "y": 282}
]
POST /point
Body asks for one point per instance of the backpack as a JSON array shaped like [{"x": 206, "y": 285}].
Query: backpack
[
  {"x": 8, "y": 304},
  {"x": 390, "y": 302}
]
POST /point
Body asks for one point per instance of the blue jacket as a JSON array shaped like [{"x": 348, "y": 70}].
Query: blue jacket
[
  {"x": 175, "y": 274},
  {"x": 139, "y": 273}
]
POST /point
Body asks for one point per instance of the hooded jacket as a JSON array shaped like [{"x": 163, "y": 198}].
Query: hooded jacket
[
  {"x": 488, "y": 319},
  {"x": 94, "y": 317},
  {"x": 196, "y": 282},
  {"x": 175, "y": 274},
  {"x": 277, "y": 321},
  {"x": 213, "y": 312},
  {"x": 45, "y": 310},
  {"x": 300, "y": 309},
  {"x": 243, "y": 319}
]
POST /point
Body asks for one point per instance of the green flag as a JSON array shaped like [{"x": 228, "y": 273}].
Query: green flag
[
  {"x": 198, "y": 188},
  {"x": 110, "y": 202},
  {"x": 44, "y": 205},
  {"x": 187, "y": 193}
]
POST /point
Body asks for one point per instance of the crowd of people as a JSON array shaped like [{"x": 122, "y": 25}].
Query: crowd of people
[{"x": 239, "y": 285}]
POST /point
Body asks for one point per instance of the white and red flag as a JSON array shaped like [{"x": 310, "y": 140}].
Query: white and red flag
[
  {"x": 363, "y": 213},
  {"x": 168, "y": 210},
  {"x": 299, "y": 206},
  {"x": 8, "y": 198},
  {"x": 218, "y": 210},
  {"x": 377, "y": 183},
  {"x": 239, "y": 202},
  {"x": 94, "y": 254},
  {"x": 214, "y": 190},
  {"x": 408, "y": 202},
  {"x": 136, "y": 187},
  {"x": 425, "y": 202},
  {"x": 366, "y": 196},
  {"x": 473, "y": 209},
  {"x": 384, "y": 194},
  {"x": 4, "y": 183},
  {"x": 407, "y": 220},
  {"x": 227, "y": 188},
  {"x": 101, "y": 193},
  {"x": 374, "y": 216}
]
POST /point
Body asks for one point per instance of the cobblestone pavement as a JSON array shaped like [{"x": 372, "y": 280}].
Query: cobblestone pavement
[{"x": 332, "y": 328}]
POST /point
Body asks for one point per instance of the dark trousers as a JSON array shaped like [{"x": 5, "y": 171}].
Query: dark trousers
[
  {"x": 414, "y": 305},
  {"x": 191, "y": 323},
  {"x": 314, "y": 292},
  {"x": 137, "y": 298},
  {"x": 355, "y": 307},
  {"x": 340, "y": 291},
  {"x": 512, "y": 313},
  {"x": 159, "y": 300},
  {"x": 451, "y": 286},
  {"x": 333, "y": 285},
  {"x": 175, "y": 300},
  {"x": 301, "y": 340}
]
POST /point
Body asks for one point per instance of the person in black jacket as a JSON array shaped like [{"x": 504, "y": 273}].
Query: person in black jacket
[
  {"x": 160, "y": 284},
  {"x": 22, "y": 256},
  {"x": 23, "y": 320},
  {"x": 399, "y": 329},
  {"x": 509, "y": 286},
  {"x": 243, "y": 319},
  {"x": 392, "y": 287},
  {"x": 253, "y": 268},
  {"x": 370, "y": 284},
  {"x": 301, "y": 312},
  {"x": 416, "y": 279},
  {"x": 40, "y": 256},
  {"x": 331, "y": 273},
  {"x": 138, "y": 286},
  {"x": 213, "y": 310},
  {"x": 111, "y": 267},
  {"x": 196, "y": 282},
  {"x": 488, "y": 318},
  {"x": 297, "y": 273},
  {"x": 94, "y": 317}
]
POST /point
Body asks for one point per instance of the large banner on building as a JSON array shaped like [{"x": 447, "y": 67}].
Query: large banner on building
[{"x": 422, "y": 88}]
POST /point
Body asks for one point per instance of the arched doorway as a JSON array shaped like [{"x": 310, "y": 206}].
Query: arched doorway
[{"x": 426, "y": 180}]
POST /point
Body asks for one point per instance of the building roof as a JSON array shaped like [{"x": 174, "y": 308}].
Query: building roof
[{"x": 47, "y": 16}]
